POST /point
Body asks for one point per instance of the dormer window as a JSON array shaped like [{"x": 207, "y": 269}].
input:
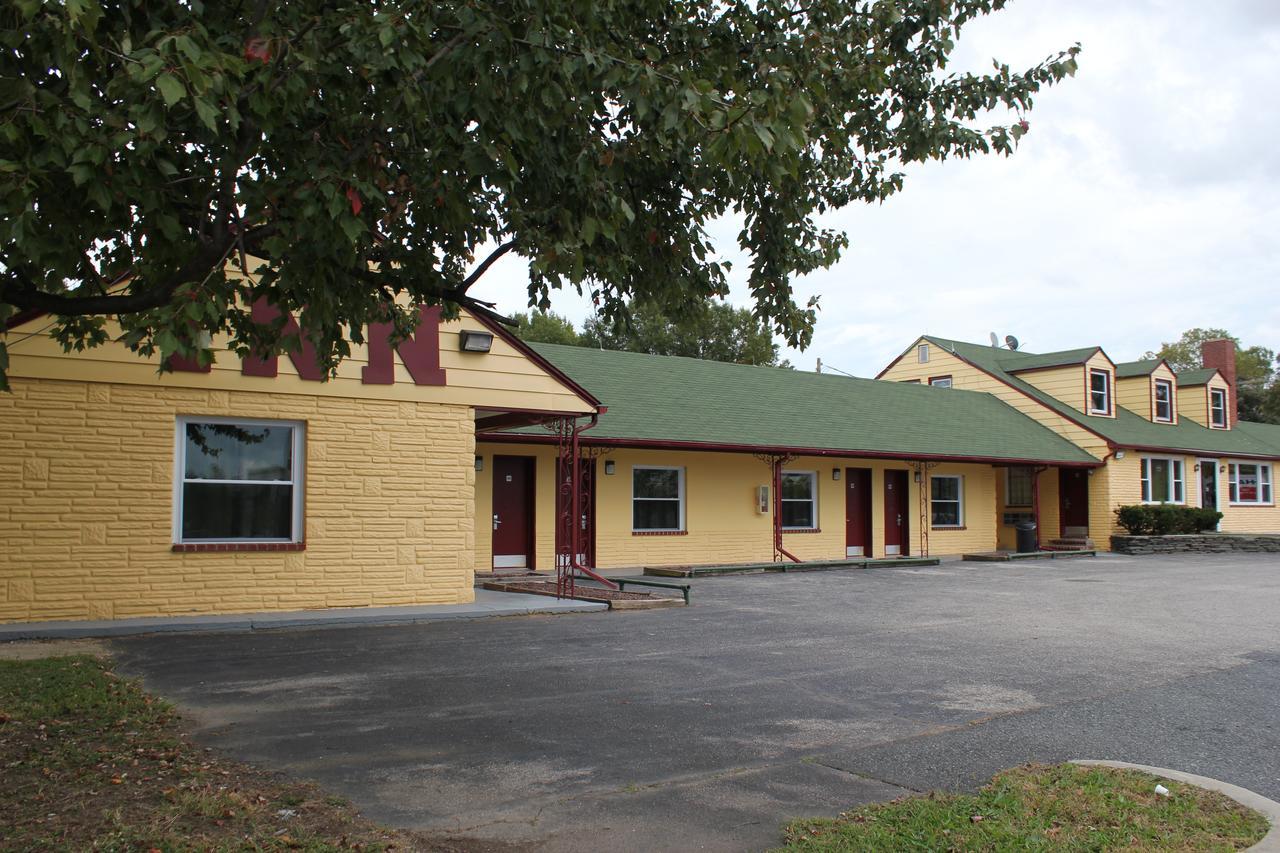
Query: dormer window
[
  {"x": 1217, "y": 408},
  {"x": 1164, "y": 401},
  {"x": 1099, "y": 392},
  {"x": 922, "y": 353}
]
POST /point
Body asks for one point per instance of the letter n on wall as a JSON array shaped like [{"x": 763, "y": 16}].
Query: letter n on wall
[
  {"x": 304, "y": 358},
  {"x": 420, "y": 353}
]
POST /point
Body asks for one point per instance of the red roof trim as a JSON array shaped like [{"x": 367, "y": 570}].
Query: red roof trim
[
  {"x": 23, "y": 317},
  {"x": 719, "y": 447},
  {"x": 1221, "y": 454}
]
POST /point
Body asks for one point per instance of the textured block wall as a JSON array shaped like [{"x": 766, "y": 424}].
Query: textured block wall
[{"x": 86, "y": 505}]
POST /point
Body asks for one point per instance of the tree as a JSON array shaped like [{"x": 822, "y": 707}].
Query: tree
[
  {"x": 171, "y": 164},
  {"x": 716, "y": 331},
  {"x": 1257, "y": 392},
  {"x": 546, "y": 327}
]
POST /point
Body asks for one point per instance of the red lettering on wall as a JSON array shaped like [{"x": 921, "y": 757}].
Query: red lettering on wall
[
  {"x": 304, "y": 359},
  {"x": 420, "y": 353},
  {"x": 178, "y": 364}
]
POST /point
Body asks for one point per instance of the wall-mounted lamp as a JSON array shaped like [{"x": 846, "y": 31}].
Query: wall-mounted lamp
[
  {"x": 1222, "y": 469},
  {"x": 917, "y": 477},
  {"x": 471, "y": 340},
  {"x": 1091, "y": 470},
  {"x": 835, "y": 473},
  {"x": 479, "y": 463},
  {"x": 609, "y": 466}
]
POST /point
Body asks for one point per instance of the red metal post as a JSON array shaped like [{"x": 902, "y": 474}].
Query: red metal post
[
  {"x": 571, "y": 508},
  {"x": 778, "y": 551}
]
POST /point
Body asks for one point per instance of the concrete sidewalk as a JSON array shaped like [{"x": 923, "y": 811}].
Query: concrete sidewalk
[{"x": 487, "y": 603}]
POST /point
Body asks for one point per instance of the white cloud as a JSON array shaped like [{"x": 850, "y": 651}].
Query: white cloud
[{"x": 1143, "y": 202}]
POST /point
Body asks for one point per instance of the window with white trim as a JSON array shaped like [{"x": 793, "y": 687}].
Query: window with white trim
[
  {"x": 1018, "y": 485},
  {"x": 238, "y": 481},
  {"x": 940, "y": 382},
  {"x": 946, "y": 500},
  {"x": 1164, "y": 400},
  {"x": 799, "y": 495},
  {"x": 657, "y": 498},
  {"x": 922, "y": 353},
  {"x": 1099, "y": 392},
  {"x": 1217, "y": 408},
  {"x": 1249, "y": 483},
  {"x": 1162, "y": 480}
]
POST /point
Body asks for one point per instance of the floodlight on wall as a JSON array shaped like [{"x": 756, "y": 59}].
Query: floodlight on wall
[
  {"x": 471, "y": 340},
  {"x": 835, "y": 473},
  {"x": 609, "y": 466},
  {"x": 1119, "y": 454}
]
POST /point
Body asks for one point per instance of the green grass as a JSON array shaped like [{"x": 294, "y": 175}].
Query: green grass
[
  {"x": 90, "y": 761},
  {"x": 1060, "y": 807}
]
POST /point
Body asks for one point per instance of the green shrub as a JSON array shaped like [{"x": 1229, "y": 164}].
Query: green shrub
[{"x": 1165, "y": 519}]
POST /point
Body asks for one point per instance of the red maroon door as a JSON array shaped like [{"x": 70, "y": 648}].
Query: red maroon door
[
  {"x": 513, "y": 512},
  {"x": 857, "y": 512},
  {"x": 895, "y": 513},
  {"x": 1073, "y": 492}
]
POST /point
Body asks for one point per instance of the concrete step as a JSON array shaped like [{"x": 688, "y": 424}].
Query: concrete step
[{"x": 1069, "y": 544}]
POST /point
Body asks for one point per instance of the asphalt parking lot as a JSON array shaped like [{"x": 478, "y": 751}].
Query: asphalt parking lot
[{"x": 774, "y": 696}]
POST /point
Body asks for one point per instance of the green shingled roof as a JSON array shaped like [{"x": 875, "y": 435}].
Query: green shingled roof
[
  {"x": 1200, "y": 376},
  {"x": 1014, "y": 360},
  {"x": 1127, "y": 429},
  {"x": 670, "y": 399},
  {"x": 1127, "y": 369}
]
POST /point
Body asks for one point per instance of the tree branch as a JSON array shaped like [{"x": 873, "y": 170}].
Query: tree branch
[{"x": 485, "y": 264}]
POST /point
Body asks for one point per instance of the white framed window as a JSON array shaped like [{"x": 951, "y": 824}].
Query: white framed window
[
  {"x": 946, "y": 500},
  {"x": 922, "y": 353},
  {"x": 1162, "y": 480},
  {"x": 657, "y": 498},
  {"x": 238, "y": 480},
  {"x": 1164, "y": 401},
  {"x": 1019, "y": 482},
  {"x": 1099, "y": 391},
  {"x": 1217, "y": 408},
  {"x": 940, "y": 381},
  {"x": 799, "y": 495},
  {"x": 1249, "y": 483}
]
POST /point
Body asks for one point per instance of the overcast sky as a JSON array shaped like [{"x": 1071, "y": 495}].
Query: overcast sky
[{"x": 1144, "y": 201}]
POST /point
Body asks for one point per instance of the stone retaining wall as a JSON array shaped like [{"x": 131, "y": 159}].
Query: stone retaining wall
[{"x": 1203, "y": 543}]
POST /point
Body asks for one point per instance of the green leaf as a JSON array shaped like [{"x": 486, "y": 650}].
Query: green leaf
[
  {"x": 208, "y": 115},
  {"x": 171, "y": 88}
]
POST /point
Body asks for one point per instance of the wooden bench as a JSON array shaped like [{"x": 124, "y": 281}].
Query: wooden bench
[{"x": 682, "y": 587}]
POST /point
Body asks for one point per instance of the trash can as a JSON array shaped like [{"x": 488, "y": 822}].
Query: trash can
[{"x": 1026, "y": 536}]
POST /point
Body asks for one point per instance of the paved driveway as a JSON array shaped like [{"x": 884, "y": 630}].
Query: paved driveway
[{"x": 774, "y": 696}]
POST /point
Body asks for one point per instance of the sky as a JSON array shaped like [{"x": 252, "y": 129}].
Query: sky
[{"x": 1144, "y": 201}]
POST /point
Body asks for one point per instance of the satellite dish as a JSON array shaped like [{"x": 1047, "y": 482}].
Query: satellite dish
[
  {"x": 1011, "y": 341},
  {"x": 995, "y": 342}
]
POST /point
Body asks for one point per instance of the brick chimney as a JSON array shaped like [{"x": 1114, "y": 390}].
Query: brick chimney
[{"x": 1222, "y": 355}]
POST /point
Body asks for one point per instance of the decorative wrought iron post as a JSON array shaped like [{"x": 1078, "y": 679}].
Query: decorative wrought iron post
[
  {"x": 572, "y": 493},
  {"x": 775, "y": 461},
  {"x": 922, "y": 470}
]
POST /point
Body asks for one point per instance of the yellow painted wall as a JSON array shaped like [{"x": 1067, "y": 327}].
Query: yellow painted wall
[
  {"x": 1246, "y": 518},
  {"x": 1193, "y": 401},
  {"x": 1061, "y": 383},
  {"x": 1134, "y": 393},
  {"x": 971, "y": 378},
  {"x": 721, "y": 519},
  {"x": 500, "y": 379},
  {"x": 86, "y": 505}
]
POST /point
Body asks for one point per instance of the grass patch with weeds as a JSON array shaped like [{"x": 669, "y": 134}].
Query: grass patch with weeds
[
  {"x": 1037, "y": 807},
  {"x": 90, "y": 761}
]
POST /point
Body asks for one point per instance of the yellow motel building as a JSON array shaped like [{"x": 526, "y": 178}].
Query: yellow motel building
[{"x": 260, "y": 486}]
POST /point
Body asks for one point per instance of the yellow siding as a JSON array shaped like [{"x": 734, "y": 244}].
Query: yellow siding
[
  {"x": 1193, "y": 402},
  {"x": 1134, "y": 394},
  {"x": 971, "y": 378},
  {"x": 721, "y": 518},
  {"x": 1245, "y": 518},
  {"x": 86, "y": 486},
  {"x": 503, "y": 378},
  {"x": 1061, "y": 383}
]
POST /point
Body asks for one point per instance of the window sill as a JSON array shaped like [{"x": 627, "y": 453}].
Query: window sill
[
  {"x": 1163, "y": 503},
  {"x": 221, "y": 547},
  {"x": 951, "y": 527},
  {"x": 659, "y": 533},
  {"x": 1251, "y": 505},
  {"x": 802, "y": 530}
]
